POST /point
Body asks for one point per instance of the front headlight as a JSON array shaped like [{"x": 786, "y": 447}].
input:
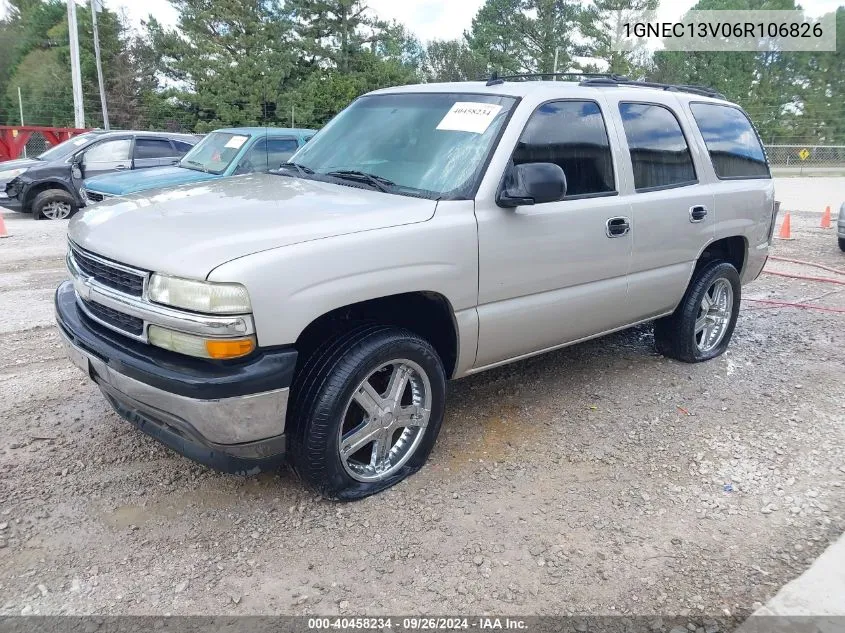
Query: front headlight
[
  {"x": 199, "y": 296},
  {"x": 11, "y": 174}
]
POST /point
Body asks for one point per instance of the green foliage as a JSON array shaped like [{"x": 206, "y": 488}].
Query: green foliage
[
  {"x": 791, "y": 97},
  {"x": 525, "y": 36},
  {"x": 247, "y": 62},
  {"x": 602, "y": 25},
  {"x": 454, "y": 60}
]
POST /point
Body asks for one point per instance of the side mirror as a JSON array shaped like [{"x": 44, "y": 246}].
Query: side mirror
[
  {"x": 532, "y": 183},
  {"x": 76, "y": 167}
]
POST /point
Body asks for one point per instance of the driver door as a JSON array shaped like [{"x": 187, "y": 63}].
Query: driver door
[{"x": 555, "y": 273}]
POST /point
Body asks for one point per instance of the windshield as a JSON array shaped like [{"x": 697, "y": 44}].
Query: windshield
[
  {"x": 66, "y": 148},
  {"x": 431, "y": 145},
  {"x": 215, "y": 152}
]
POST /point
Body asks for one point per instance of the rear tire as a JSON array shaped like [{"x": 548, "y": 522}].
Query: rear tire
[
  {"x": 842, "y": 243},
  {"x": 53, "y": 204},
  {"x": 701, "y": 328},
  {"x": 352, "y": 436}
]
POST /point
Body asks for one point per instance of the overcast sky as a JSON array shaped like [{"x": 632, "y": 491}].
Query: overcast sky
[{"x": 428, "y": 19}]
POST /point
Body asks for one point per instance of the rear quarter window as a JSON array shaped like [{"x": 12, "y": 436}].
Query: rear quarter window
[{"x": 731, "y": 141}]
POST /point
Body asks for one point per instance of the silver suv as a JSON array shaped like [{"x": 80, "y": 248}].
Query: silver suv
[{"x": 428, "y": 232}]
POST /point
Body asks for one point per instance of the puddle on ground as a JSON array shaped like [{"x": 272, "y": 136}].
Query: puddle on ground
[
  {"x": 496, "y": 437},
  {"x": 190, "y": 502}
]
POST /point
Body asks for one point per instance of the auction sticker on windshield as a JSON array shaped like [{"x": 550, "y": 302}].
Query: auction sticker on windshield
[
  {"x": 235, "y": 142},
  {"x": 468, "y": 116}
]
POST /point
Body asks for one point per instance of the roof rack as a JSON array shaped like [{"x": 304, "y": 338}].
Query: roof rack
[
  {"x": 609, "y": 79},
  {"x": 624, "y": 81},
  {"x": 495, "y": 78}
]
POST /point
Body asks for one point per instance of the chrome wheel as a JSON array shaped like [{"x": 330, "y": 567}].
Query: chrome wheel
[
  {"x": 56, "y": 210},
  {"x": 714, "y": 315},
  {"x": 385, "y": 420}
]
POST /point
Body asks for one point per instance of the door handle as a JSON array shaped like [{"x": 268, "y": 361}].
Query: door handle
[
  {"x": 697, "y": 213},
  {"x": 617, "y": 227},
  {"x": 120, "y": 167}
]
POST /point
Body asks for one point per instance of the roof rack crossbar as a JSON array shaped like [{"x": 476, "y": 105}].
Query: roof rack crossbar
[
  {"x": 495, "y": 78},
  {"x": 624, "y": 81}
]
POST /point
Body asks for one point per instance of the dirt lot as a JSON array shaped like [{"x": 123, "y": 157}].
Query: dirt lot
[{"x": 599, "y": 479}]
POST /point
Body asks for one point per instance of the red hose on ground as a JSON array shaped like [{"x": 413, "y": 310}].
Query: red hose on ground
[
  {"x": 791, "y": 276},
  {"x": 787, "y": 304},
  {"x": 801, "y": 261}
]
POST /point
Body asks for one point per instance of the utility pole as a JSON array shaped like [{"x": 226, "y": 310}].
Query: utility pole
[
  {"x": 20, "y": 105},
  {"x": 75, "y": 72},
  {"x": 94, "y": 9}
]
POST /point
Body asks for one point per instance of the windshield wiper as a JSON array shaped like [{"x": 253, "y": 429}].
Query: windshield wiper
[
  {"x": 382, "y": 184},
  {"x": 197, "y": 163},
  {"x": 302, "y": 169}
]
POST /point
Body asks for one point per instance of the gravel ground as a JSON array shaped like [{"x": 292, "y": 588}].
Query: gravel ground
[{"x": 601, "y": 479}]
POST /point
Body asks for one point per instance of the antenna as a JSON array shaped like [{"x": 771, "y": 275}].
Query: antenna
[{"x": 264, "y": 116}]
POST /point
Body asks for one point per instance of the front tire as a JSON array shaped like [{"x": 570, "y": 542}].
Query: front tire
[
  {"x": 53, "y": 204},
  {"x": 842, "y": 243},
  {"x": 366, "y": 410},
  {"x": 702, "y": 325}
]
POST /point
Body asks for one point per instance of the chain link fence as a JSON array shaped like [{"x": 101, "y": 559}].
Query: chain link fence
[
  {"x": 806, "y": 158},
  {"x": 36, "y": 145}
]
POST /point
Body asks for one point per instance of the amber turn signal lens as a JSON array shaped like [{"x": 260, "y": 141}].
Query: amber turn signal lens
[{"x": 228, "y": 348}]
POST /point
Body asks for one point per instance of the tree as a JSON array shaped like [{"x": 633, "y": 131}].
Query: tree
[
  {"x": 767, "y": 84},
  {"x": 823, "y": 93},
  {"x": 527, "y": 36},
  {"x": 226, "y": 55},
  {"x": 453, "y": 60},
  {"x": 334, "y": 31},
  {"x": 602, "y": 25}
]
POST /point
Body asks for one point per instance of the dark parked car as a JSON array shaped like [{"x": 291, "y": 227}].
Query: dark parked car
[{"x": 48, "y": 186}]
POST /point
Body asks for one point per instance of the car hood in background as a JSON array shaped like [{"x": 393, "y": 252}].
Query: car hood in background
[
  {"x": 190, "y": 230},
  {"x": 128, "y": 182}
]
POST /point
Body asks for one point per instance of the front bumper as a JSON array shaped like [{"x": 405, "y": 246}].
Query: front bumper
[
  {"x": 12, "y": 203},
  {"x": 229, "y": 416}
]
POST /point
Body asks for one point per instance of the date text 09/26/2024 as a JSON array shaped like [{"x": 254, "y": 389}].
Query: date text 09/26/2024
[{"x": 417, "y": 624}]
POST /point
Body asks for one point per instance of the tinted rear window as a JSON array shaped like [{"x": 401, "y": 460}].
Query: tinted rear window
[
  {"x": 152, "y": 148},
  {"x": 659, "y": 152},
  {"x": 731, "y": 140}
]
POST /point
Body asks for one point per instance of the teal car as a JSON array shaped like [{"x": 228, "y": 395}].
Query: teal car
[{"x": 222, "y": 153}]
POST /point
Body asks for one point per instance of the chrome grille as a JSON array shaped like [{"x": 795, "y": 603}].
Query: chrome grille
[
  {"x": 108, "y": 274},
  {"x": 118, "y": 320}
]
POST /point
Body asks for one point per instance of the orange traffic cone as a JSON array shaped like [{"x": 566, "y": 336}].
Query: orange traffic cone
[
  {"x": 826, "y": 218},
  {"x": 3, "y": 231},
  {"x": 785, "y": 228}
]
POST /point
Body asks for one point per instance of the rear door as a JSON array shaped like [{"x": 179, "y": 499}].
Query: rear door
[
  {"x": 153, "y": 152},
  {"x": 671, "y": 208},
  {"x": 744, "y": 194},
  {"x": 107, "y": 156}
]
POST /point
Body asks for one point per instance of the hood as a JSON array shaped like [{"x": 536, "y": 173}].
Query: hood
[
  {"x": 190, "y": 230},
  {"x": 120, "y": 184},
  {"x": 17, "y": 164}
]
